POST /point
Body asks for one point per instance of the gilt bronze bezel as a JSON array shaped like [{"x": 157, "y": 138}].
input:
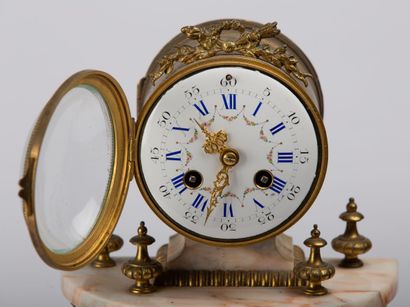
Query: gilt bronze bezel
[
  {"x": 120, "y": 117},
  {"x": 277, "y": 74}
]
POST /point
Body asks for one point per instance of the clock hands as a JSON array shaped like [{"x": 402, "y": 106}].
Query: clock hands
[
  {"x": 229, "y": 157},
  {"x": 214, "y": 142}
]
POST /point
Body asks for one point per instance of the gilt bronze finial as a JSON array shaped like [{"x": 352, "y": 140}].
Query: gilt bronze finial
[
  {"x": 142, "y": 268},
  {"x": 351, "y": 243},
  {"x": 314, "y": 270}
]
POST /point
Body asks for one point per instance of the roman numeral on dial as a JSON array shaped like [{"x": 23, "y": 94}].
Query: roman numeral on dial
[
  {"x": 259, "y": 204},
  {"x": 178, "y": 182},
  {"x": 257, "y": 109},
  {"x": 201, "y": 107},
  {"x": 173, "y": 156},
  {"x": 285, "y": 157},
  {"x": 229, "y": 101},
  {"x": 277, "y": 128},
  {"x": 180, "y": 128},
  {"x": 278, "y": 185},
  {"x": 228, "y": 210},
  {"x": 200, "y": 202}
]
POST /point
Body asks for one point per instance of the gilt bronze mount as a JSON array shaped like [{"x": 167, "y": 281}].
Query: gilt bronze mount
[
  {"x": 315, "y": 270},
  {"x": 142, "y": 268},
  {"x": 351, "y": 243}
]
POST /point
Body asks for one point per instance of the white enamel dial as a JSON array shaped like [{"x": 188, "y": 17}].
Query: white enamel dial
[{"x": 268, "y": 126}]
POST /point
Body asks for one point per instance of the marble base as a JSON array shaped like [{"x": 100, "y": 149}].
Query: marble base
[
  {"x": 275, "y": 254},
  {"x": 374, "y": 285}
]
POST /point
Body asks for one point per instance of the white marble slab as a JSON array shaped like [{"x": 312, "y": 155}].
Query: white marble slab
[
  {"x": 275, "y": 254},
  {"x": 373, "y": 285}
]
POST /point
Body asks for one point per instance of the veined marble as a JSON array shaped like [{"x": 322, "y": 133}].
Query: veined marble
[
  {"x": 373, "y": 285},
  {"x": 276, "y": 254}
]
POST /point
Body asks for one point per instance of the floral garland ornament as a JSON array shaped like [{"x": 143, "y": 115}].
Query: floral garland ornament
[{"x": 248, "y": 44}]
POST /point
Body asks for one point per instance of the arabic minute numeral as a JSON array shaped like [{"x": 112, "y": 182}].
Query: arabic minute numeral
[
  {"x": 228, "y": 80},
  {"x": 294, "y": 119},
  {"x": 267, "y": 217},
  {"x": 164, "y": 190},
  {"x": 163, "y": 121},
  {"x": 191, "y": 217},
  {"x": 266, "y": 91},
  {"x": 228, "y": 226},
  {"x": 293, "y": 191},
  {"x": 304, "y": 157},
  {"x": 154, "y": 154},
  {"x": 192, "y": 92}
]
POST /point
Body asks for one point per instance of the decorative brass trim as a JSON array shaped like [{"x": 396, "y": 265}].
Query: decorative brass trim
[
  {"x": 263, "y": 67},
  {"x": 203, "y": 278},
  {"x": 248, "y": 44},
  {"x": 351, "y": 243},
  {"x": 220, "y": 278},
  {"x": 122, "y": 128}
]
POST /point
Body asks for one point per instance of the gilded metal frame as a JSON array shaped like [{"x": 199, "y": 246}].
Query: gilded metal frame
[
  {"x": 122, "y": 166},
  {"x": 250, "y": 63}
]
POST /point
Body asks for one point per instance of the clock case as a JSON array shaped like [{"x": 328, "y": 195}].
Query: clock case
[{"x": 287, "y": 63}]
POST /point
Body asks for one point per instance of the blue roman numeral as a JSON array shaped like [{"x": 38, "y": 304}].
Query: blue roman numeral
[
  {"x": 199, "y": 202},
  {"x": 178, "y": 183},
  {"x": 173, "y": 156},
  {"x": 201, "y": 108},
  {"x": 230, "y": 104},
  {"x": 285, "y": 157},
  {"x": 228, "y": 210},
  {"x": 260, "y": 205},
  {"x": 180, "y": 128},
  {"x": 277, "y": 128},
  {"x": 277, "y": 185},
  {"x": 257, "y": 109}
]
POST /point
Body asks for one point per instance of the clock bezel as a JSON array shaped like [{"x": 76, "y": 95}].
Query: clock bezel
[
  {"x": 273, "y": 72},
  {"x": 117, "y": 188}
]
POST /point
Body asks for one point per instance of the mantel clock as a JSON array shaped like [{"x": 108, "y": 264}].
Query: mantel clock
[{"x": 228, "y": 148}]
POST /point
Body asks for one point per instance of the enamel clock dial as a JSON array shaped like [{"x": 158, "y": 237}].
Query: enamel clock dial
[{"x": 274, "y": 135}]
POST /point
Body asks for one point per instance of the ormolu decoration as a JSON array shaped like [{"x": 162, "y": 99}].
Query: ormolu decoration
[
  {"x": 142, "y": 268},
  {"x": 103, "y": 259},
  {"x": 314, "y": 270},
  {"x": 258, "y": 102},
  {"x": 186, "y": 277},
  {"x": 210, "y": 43},
  {"x": 351, "y": 243},
  {"x": 270, "y": 279},
  {"x": 215, "y": 142}
]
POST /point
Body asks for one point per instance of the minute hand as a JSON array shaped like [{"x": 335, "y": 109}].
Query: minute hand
[{"x": 222, "y": 181}]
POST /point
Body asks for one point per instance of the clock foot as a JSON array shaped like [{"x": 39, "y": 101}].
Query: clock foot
[{"x": 104, "y": 260}]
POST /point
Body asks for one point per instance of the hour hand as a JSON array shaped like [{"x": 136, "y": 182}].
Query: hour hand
[{"x": 214, "y": 142}]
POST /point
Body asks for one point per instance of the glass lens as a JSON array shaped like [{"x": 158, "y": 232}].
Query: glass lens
[{"x": 74, "y": 169}]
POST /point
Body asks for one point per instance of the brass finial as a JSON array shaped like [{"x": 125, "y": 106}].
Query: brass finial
[
  {"x": 314, "y": 270},
  {"x": 142, "y": 268},
  {"x": 103, "y": 259},
  {"x": 351, "y": 243}
]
